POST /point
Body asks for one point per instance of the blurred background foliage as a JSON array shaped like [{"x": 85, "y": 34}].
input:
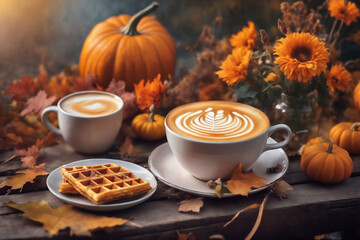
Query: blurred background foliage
[{"x": 51, "y": 32}]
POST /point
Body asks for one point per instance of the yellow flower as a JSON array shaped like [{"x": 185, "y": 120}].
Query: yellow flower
[
  {"x": 338, "y": 78},
  {"x": 245, "y": 38},
  {"x": 346, "y": 12},
  {"x": 301, "y": 56},
  {"x": 234, "y": 68},
  {"x": 272, "y": 77}
]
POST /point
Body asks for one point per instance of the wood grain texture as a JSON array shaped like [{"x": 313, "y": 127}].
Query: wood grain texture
[{"x": 311, "y": 208}]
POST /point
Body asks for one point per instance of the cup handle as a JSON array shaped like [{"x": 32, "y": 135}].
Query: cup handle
[
  {"x": 46, "y": 121},
  {"x": 281, "y": 144}
]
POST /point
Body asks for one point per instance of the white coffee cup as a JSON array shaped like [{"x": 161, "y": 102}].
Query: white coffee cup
[
  {"x": 87, "y": 133},
  {"x": 206, "y": 159}
]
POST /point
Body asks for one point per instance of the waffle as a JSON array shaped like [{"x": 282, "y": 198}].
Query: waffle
[
  {"x": 66, "y": 187},
  {"x": 104, "y": 183}
]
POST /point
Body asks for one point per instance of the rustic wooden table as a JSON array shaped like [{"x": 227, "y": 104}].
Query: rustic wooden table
[{"x": 310, "y": 209}]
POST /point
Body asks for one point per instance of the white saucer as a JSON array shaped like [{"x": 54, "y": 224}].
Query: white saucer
[
  {"x": 54, "y": 180},
  {"x": 167, "y": 169}
]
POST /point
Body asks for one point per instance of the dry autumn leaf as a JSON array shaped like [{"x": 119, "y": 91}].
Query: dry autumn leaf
[
  {"x": 83, "y": 84},
  {"x": 38, "y": 103},
  {"x": 191, "y": 205},
  {"x": 279, "y": 189},
  {"x": 29, "y": 156},
  {"x": 127, "y": 148},
  {"x": 186, "y": 236},
  {"x": 66, "y": 216},
  {"x": 241, "y": 183},
  {"x": 129, "y": 98},
  {"x": 21, "y": 89},
  {"x": 23, "y": 176}
]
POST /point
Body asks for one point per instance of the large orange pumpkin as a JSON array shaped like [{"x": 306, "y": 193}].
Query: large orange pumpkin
[{"x": 129, "y": 49}]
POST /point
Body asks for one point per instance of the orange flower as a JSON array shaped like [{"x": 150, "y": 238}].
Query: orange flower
[
  {"x": 245, "y": 38},
  {"x": 301, "y": 56},
  {"x": 234, "y": 68},
  {"x": 149, "y": 93},
  {"x": 346, "y": 12},
  {"x": 272, "y": 77},
  {"x": 338, "y": 78}
]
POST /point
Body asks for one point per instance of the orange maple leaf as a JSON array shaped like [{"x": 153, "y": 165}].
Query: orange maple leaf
[
  {"x": 149, "y": 93},
  {"x": 48, "y": 140},
  {"x": 38, "y": 103},
  {"x": 58, "y": 86},
  {"x": 128, "y": 148},
  {"x": 21, "y": 89},
  {"x": 66, "y": 216},
  {"x": 29, "y": 156},
  {"x": 23, "y": 176},
  {"x": 241, "y": 183}
]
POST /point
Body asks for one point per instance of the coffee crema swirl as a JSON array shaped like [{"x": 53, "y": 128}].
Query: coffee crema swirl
[
  {"x": 217, "y": 121},
  {"x": 91, "y": 104}
]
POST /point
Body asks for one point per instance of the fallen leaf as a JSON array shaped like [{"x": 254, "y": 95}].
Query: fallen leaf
[
  {"x": 258, "y": 219},
  {"x": 21, "y": 89},
  {"x": 66, "y": 216},
  {"x": 127, "y": 148},
  {"x": 15, "y": 138},
  {"x": 241, "y": 183},
  {"x": 129, "y": 98},
  {"x": 38, "y": 103},
  {"x": 186, "y": 236},
  {"x": 279, "y": 189},
  {"x": 220, "y": 190},
  {"x": 84, "y": 84},
  {"x": 255, "y": 205},
  {"x": 29, "y": 156},
  {"x": 191, "y": 205},
  {"x": 23, "y": 176},
  {"x": 48, "y": 140},
  {"x": 58, "y": 86}
]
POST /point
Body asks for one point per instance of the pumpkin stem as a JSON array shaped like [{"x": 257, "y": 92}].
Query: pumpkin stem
[
  {"x": 151, "y": 117},
  {"x": 355, "y": 126},
  {"x": 331, "y": 143},
  {"x": 130, "y": 28}
]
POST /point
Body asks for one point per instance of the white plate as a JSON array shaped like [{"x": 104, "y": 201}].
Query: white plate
[
  {"x": 54, "y": 180},
  {"x": 167, "y": 169}
]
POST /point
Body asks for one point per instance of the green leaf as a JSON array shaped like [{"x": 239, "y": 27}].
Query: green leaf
[
  {"x": 220, "y": 190},
  {"x": 244, "y": 91}
]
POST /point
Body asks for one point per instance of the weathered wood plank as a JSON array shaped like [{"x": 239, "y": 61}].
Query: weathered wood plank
[{"x": 311, "y": 209}]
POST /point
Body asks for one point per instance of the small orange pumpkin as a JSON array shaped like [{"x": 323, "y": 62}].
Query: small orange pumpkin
[
  {"x": 149, "y": 126},
  {"x": 347, "y": 136},
  {"x": 357, "y": 96},
  {"x": 129, "y": 49},
  {"x": 326, "y": 163}
]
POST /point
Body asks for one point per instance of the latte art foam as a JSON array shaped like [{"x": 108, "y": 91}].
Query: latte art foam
[
  {"x": 217, "y": 121},
  {"x": 212, "y": 124},
  {"x": 91, "y": 104}
]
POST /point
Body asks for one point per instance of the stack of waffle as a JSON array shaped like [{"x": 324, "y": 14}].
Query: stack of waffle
[{"x": 102, "y": 183}]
